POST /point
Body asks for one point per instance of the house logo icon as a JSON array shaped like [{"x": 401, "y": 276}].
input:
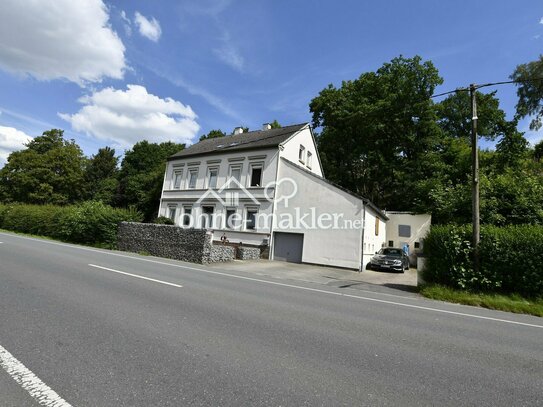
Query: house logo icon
[{"x": 234, "y": 192}]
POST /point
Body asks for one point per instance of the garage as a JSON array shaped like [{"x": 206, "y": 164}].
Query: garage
[{"x": 288, "y": 247}]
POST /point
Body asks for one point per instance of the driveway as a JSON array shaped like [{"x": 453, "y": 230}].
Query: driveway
[{"x": 331, "y": 276}]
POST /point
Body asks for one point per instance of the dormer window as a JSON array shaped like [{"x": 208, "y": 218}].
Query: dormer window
[{"x": 301, "y": 154}]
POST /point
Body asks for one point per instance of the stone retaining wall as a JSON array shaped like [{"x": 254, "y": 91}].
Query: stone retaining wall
[
  {"x": 173, "y": 242},
  {"x": 221, "y": 253},
  {"x": 248, "y": 253}
]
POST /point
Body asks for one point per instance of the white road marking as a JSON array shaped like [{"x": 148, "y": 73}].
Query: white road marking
[
  {"x": 42, "y": 393},
  {"x": 136, "y": 275},
  {"x": 280, "y": 284}
]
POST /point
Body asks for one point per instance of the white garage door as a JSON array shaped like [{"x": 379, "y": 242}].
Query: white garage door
[{"x": 288, "y": 247}]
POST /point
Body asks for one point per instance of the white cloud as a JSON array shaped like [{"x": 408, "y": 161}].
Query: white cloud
[
  {"x": 128, "y": 116},
  {"x": 541, "y": 20},
  {"x": 127, "y": 24},
  {"x": 60, "y": 39},
  {"x": 11, "y": 140},
  {"x": 148, "y": 28},
  {"x": 229, "y": 54}
]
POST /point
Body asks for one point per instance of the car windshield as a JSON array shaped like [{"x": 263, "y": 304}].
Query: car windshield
[{"x": 391, "y": 252}]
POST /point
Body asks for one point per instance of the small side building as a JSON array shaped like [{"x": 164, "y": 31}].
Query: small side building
[{"x": 407, "y": 231}]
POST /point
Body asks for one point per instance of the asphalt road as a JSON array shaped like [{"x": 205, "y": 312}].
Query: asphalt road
[{"x": 100, "y": 338}]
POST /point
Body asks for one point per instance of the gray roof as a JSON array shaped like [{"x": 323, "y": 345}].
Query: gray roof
[{"x": 244, "y": 141}]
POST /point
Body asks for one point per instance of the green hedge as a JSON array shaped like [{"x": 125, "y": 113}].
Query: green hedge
[
  {"x": 90, "y": 222},
  {"x": 511, "y": 259}
]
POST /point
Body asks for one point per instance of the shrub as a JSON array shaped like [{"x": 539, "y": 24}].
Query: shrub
[
  {"x": 89, "y": 223},
  {"x": 510, "y": 259},
  {"x": 94, "y": 223},
  {"x": 164, "y": 220}
]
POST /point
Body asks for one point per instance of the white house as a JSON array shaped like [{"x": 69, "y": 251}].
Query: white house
[{"x": 267, "y": 188}]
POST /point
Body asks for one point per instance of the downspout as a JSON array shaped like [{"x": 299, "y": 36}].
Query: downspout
[
  {"x": 271, "y": 241},
  {"x": 362, "y": 237}
]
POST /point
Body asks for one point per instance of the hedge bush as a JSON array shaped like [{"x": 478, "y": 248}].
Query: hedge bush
[
  {"x": 89, "y": 223},
  {"x": 511, "y": 259}
]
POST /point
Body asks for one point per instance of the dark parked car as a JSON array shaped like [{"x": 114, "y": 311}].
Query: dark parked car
[{"x": 389, "y": 258}]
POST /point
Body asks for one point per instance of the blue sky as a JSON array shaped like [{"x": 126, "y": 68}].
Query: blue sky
[{"x": 116, "y": 72}]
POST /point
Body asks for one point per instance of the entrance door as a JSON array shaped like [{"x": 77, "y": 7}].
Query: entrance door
[{"x": 288, "y": 247}]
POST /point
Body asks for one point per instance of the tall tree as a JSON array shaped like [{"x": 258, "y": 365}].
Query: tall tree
[
  {"x": 213, "y": 134},
  {"x": 378, "y": 131},
  {"x": 101, "y": 176},
  {"x": 142, "y": 174},
  {"x": 454, "y": 116},
  {"x": 529, "y": 79},
  {"x": 49, "y": 170},
  {"x": 275, "y": 124}
]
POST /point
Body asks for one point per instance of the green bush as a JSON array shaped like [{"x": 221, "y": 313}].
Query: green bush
[
  {"x": 510, "y": 258},
  {"x": 163, "y": 220},
  {"x": 89, "y": 223}
]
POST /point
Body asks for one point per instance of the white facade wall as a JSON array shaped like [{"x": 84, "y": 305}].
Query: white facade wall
[
  {"x": 291, "y": 150},
  {"x": 334, "y": 247},
  {"x": 419, "y": 225},
  {"x": 374, "y": 236},
  {"x": 247, "y": 197}
]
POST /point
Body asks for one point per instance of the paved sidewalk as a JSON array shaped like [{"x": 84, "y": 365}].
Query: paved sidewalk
[{"x": 367, "y": 279}]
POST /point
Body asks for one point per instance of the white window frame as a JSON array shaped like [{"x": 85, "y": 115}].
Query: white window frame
[
  {"x": 177, "y": 175},
  {"x": 309, "y": 159},
  {"x": 211, "y": 220},
  {"x": 172, "y": 212},
  {"x": 183, "y": 217},
  {"x": 235, "y": 213},
  {"x": 235, "y": 167},
  {"x": 253, "y": 166},
  {"x": 209, "y": 170},
  {"x": 301, "y": 154},
  {"x": 246, "y": 218},
  {"x": 189, "y": 173}
]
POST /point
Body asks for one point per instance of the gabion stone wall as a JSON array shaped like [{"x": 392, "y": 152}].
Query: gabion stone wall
[
  {"x": 221, "y": 253},
  {"x": 169, "y": 241},
  {"x": 248, "y": 253}
]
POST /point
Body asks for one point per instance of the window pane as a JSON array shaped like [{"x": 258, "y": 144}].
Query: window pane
[
  {"x": 404, "y": 230},
  {"x": 301, "y": 153},
  {"x": 171, "y": 214},
  {"x": 213, "y": 179},
  {"x": 236, "y": 173},
  {"x": 187, "y": 212},
  {"x": 309, "y": 156},
  {"x": 192, "y": 181},
  {"x": 256, "y": 177},
  {"x": 230, "y": 219},
  {"x": 177, "y": 180},
  {"x": 207, "y": 218},
  {"x": 251, "y": 220}
]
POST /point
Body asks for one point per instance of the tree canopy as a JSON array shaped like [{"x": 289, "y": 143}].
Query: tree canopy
[
  {"x": 142, "y": 173},
  {"x": 50, "y": 170},
  {"x": 529, "y": 79}
]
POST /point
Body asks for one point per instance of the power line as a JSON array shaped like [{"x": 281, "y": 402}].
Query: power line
[{"x": 484, "y": 85}]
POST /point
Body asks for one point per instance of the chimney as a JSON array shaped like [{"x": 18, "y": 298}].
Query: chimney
[
  {"x": 266, "y": 126},
  {"x": 238, "y": 130}
]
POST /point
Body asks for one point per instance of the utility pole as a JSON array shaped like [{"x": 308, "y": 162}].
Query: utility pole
[{"x": 475, "y": 178}]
